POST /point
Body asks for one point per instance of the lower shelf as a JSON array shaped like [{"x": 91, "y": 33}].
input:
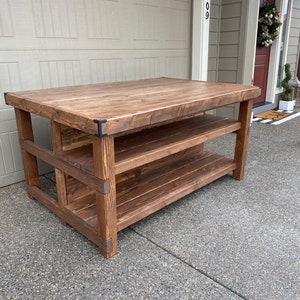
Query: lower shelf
[{"x": 145, "y": 190}]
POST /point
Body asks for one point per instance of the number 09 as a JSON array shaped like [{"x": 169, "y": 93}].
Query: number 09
[{"x": 206, "y": 10}]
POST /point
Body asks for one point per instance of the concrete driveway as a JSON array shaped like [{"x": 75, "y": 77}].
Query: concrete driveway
[{"x": 229, "y": 240}]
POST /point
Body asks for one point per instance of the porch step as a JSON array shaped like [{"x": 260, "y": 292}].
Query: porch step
[{"x": 263, "y": 107}]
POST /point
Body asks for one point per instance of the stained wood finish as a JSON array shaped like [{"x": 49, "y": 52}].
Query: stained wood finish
[
  {"x": 242, "y": 140},
  {"x": 104, "y": 160},
  {"x": 25, "y": 133},
  {"x": 142, "y": 191},
  {"x": 59, "y": 163},
  {"x": 149, "y": 155},
  {"x": 130, "y": 104},
  {"x": 142, "y": 147},
  {"x": 60, "y": 177}
]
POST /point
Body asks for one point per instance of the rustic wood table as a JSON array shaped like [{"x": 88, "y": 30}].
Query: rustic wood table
[{"x": 124, "y": 150}]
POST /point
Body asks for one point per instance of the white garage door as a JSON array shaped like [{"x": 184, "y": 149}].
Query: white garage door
[{"x": 50, "y": 43}]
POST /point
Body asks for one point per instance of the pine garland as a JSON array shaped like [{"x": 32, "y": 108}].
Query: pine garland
[
  {"x": 268, "y": 25},
  {"x": 288, "y": 89}
]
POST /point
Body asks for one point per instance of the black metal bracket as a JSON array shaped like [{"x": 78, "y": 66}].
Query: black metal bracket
[{"x": 99, "y": 123}]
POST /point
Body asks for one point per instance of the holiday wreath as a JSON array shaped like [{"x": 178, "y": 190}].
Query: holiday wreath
[{"x": 268, "y": 25}]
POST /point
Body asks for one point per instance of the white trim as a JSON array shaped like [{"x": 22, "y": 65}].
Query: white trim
[
  {"x": 286, "y": 118},
  {"x": 201, "y": 18},
  {"x": 272, "y": 89},
  {"x": 250, "y": 12}
]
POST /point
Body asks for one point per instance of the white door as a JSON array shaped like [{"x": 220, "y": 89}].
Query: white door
[{"x": 50, "y": 43}]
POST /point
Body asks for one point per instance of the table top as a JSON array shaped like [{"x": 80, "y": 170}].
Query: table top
[{"x": 122, "y": 106}]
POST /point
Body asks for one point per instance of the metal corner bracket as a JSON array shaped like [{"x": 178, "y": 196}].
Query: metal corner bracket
[{"x": 99, "y": 123}]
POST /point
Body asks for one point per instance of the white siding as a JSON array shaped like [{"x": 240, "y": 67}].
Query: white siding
[
  {"x": 224, "y": 40},
  {"x": 294, "y": 38},
  {"x": 229, "y": 40},
  {"x": 214, "y": 39},
  {"x": 45, "y": 43},
  {"x": 224, "y": 45}
]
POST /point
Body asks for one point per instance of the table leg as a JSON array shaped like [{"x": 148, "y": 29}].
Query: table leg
[
  {"x": 104, "y": 168},
  {"x": 242, "y": 139},
  {"x": 60, "y": 176},
  {"x": 25, "y": 132}
]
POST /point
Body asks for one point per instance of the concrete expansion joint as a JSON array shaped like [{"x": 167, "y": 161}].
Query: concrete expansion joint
[{"x": 190, "y": 265}]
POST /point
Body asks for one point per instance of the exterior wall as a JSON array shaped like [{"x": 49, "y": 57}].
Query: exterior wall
[
  {"x": 294, "y": 39},
  {"x": 229, "y": 40},
  {"x": 45, "y": 43},
  {"x": 224, "y": 40},
  {"x": 214, "y": 40},
  {"x": 225, "y": 66}
]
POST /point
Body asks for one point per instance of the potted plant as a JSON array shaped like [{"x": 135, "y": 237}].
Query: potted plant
[{"x": 286, "y": 102}]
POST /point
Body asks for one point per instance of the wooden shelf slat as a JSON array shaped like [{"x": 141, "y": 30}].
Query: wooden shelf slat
[
  {"x": 153, "y": 189},
  {"x": 142, "y": 147}
]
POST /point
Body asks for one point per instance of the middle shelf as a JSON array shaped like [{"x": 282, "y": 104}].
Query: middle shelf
[{"x": 139, "y": 148}]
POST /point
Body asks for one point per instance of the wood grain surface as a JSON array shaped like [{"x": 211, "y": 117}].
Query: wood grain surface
[{"x": 130, "y": 104}]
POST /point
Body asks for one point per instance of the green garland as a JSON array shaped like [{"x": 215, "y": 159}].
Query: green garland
[
  {"x": 288, "y": 89},
  {"x": 268, "y": 25}
]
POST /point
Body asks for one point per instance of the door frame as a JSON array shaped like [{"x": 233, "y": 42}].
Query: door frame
[
  {"x": 200, "y": 39},
  {"x": 272, "y": 89},
  {"x": 250, "y": 12}
]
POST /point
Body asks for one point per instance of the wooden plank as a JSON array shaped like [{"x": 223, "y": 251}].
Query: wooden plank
[
  {"x": 104, "y": 162},
  {"x": 25, "y": 132},
  {"x": 76, "y": 189},
  {"x": 150, "y": 183},
  {"x": 73, "y": 138},
  {"x": 131, "y": 212},
  {"x": 86, "y": 210},
  {"x": 134, "y": 181},
  {"x": 163, "y": 188},
  {"x": 129, "y": 105},
  {"x": 81, "y": 157},
  {"x": 156, "y": 136},
  {"x": 59, "y": 175},
  {"x": 58, "y": 162},
  {"x": 242, "y": 139},
  {"x": 169, "y": 139},
  {"x": 147, "y": 145}
]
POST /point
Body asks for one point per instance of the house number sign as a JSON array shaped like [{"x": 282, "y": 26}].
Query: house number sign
[{"x": 206, "y": 10}]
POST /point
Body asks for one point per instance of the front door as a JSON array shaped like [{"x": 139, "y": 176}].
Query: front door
[{"x": 261, "y": 68}]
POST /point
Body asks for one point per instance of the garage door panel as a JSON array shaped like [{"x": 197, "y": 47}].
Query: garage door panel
[
  {"x": 106, "y": 70},
  {"x": 9, "y": 79},
  {"x": 51, "y": 43},
  {"x": 6, "y": 28},
  {"x": 10, "y": 161},
  {"x": 60, "y": 73},
  {"x": 55, "y": 19},
  {"x": 103, "y": 19}
]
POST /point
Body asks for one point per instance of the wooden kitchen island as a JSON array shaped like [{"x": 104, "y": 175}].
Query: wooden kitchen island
[{"x": 124, "y": 150}]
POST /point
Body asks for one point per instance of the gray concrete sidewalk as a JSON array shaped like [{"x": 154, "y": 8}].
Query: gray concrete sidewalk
[{"x": 229, "y": 240}]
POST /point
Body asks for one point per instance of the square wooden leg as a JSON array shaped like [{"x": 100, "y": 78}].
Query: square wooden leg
[
  {"x": 60, "y": 176},
  {"x": 104, "y": 168},
  {"x": 242, "y": 139},
  {"x": 25, "y": 132}
]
